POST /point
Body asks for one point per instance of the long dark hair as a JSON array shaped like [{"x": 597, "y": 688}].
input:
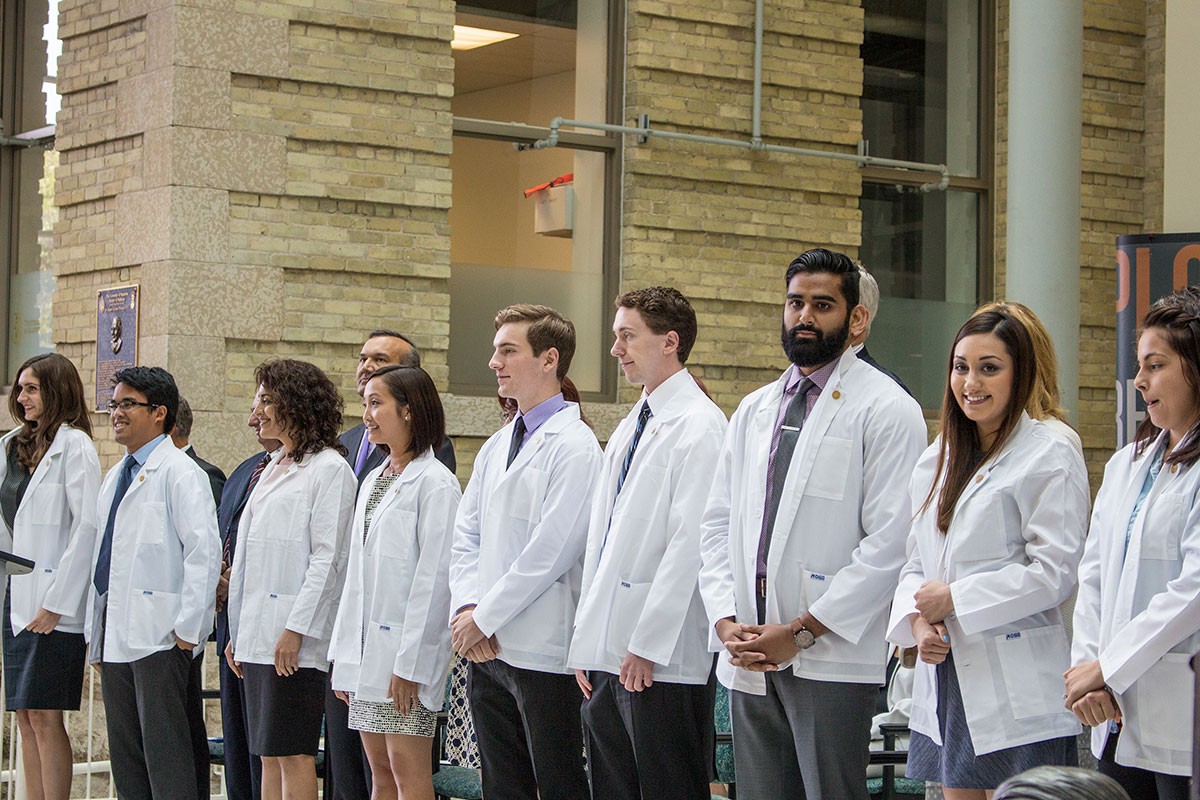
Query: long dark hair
[
  {"x": 62, "y": 404},
  {"x": 1181, "y": 329},
  {"x": 307, "y": 402},
  {"x": 961, "y": 449}
]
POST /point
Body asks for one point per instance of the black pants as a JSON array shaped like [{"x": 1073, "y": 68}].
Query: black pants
[
  {"x": 149, "y": 734},
  {"x": 243, "y": 771},
  {"x": 529, "y": 731},
  {"x": 196, "y": 726},
  {"x": 1141, "y": 784},
  {"x": 656, "y": 743},
  {"x": 347, "y": 771}
]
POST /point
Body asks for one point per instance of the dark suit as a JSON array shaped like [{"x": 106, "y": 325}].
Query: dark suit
[
  {"x": 195, "y": 700},
  {"x": 216, "y": 477},
  {"x": 347, "y": 773},
  {"x": 243, "y": 772},
  {"x": 863, "y": 355}
]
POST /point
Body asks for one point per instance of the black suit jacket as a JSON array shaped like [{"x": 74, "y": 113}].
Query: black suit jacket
[
  {"x": 229, "y": 513},
  {"x": 216, "y": 478},
  {"x": 352, "y": 439},
  {"x": 863, "y": 355}
]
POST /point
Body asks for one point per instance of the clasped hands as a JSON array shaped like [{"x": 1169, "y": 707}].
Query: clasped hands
[
  {"x": 762, "y": 648},
  {"x": 934, "y": 603},
  {"x": 1087, "y": 697},
  {"x": 468, "y": 640}
]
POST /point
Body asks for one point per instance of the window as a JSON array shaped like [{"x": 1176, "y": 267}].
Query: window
[
  {"x": 545, "y": 60},
  {"x": 923, "y": 100},
  {"x": 29, "y": 49}
]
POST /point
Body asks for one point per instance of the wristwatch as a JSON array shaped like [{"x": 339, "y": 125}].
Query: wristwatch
[{"x": 804, "y": 638}]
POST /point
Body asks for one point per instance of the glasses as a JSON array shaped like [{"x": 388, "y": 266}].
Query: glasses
[{"x": 127, "y": 405}]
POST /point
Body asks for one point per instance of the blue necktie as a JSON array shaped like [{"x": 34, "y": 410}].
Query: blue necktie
[
  {"x": 518, "y": 439},
  {"x": 104, "y": 559},
  {"x": 643, "y": 417}
]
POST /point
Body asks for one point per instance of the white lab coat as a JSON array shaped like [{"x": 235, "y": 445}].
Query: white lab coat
[
  {"x": 641, "y": 591},
  {"x": 290, "y": 558},
  {"x": 1139, "y": 614},
  {"x": 838, "y": 542},
  {"x": 55, "y": 526},
  {"x": 166, "y": 558},
  {"x": 397, "y": 587},
  {"x": 520, "y": 536},
  {"x": 1010, "y": 558}
]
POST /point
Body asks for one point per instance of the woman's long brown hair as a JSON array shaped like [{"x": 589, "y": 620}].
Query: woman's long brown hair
[
  {"x": 961, "y": 450},
  {"x": 62, "y": 404}
]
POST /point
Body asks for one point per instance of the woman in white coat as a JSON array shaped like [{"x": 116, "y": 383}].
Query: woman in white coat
[
  {"x": 1000, "y": 510},
  {"x": 1137, "y": 618},
  {"x": 286, "y": 576},
  {"x": 391, "y": 644},
  {"x": 49, "y": 478}
]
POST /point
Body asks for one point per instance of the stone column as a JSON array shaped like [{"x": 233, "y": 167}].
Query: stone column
[{"x": 1044, "y": 136}]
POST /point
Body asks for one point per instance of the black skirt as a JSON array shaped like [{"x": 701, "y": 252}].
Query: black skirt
[
  {"x": 42, "y": 671},
  {"x": 284, "y": 714}
]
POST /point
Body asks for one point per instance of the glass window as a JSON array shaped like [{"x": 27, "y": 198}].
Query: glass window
[
  {"x": 28, "y": 213},
  {"x": 921, "y": 81},
  {"x": 922, "y": 248},
  {"x": 539, "y": 60},
  {"x": 922, "y": 101}
]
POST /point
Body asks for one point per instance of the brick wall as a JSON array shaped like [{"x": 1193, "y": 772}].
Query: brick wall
[
  {"x": 721, "y": 224},
  {"x": 274, "y": 175}
]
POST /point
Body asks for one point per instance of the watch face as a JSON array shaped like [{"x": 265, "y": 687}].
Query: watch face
[{"x": 805, "y": 639}]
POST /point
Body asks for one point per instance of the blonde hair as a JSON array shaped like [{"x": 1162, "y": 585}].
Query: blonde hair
[{"x": 1045, "y": 401}]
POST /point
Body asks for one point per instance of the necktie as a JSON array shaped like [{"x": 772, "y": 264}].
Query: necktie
[
  {"x": 637, "y": 437},
  {"x": 231, "y": 538},
  {"x": 783, "y": 445},
  {"x": 364, "y": 448},
  {"x": 518, "y": 438},
  {"x": 104, "y": 559}
]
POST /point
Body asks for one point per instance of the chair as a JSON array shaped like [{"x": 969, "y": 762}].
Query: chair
[
  {"x": 888, "y": 786},
  {"x": 724, "y": 749},
  {"x": 450, "y": 780}
]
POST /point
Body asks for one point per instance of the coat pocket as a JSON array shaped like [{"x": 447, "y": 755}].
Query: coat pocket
[
  {"x": 152, "y": 618},
  {"x": 1162, "y": 528},
  {"x": 1164, "y": 703},
  {"x": 628, "y": 602},
  {"x": 278, "y": 609},
  {"x": 528, "y": 493},
  {"x": 1033, "y": 662},
  {"x": 394, "y": 539},
  {"x": 828, "y": 479}
]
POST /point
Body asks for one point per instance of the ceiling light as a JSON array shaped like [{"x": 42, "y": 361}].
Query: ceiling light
[{"x": 468, "y": 38}]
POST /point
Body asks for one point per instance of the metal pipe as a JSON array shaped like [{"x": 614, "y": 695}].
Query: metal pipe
[
  {"x": 756, "y": 124},
  {"x": 861, "y": 160}
]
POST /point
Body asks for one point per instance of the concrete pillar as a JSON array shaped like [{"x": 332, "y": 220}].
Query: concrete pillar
[
  {"x": 1181, "y": 167},
  {"x": 1044, "y": 136}
]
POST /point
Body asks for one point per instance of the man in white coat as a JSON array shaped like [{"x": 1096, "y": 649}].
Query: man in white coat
[
  {"x": 154, "y": 584},
  {"x": 641, "y": 646},
  {"x": 517, "y": 564},
  {"x": 803, "y": 539}
]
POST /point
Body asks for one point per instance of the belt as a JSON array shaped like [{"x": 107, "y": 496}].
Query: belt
[{"x": 760, "y": 586}]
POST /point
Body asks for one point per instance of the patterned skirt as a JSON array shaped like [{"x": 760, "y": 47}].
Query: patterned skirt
[{"x": 372, "y": 717}]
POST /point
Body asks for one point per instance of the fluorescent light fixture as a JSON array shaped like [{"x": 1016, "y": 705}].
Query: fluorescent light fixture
[{"x": 468, "y": 38}]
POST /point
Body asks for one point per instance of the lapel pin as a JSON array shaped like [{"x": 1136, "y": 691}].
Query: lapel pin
[
  {"x": 837, "y": 395},
  {"x": 978, "y": 478}
]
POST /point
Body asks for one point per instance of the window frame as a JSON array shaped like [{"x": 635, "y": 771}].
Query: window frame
[{"x": 523, "y": 136}]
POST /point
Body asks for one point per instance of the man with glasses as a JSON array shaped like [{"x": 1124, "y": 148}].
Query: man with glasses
[{"x": 155, "y": 570}]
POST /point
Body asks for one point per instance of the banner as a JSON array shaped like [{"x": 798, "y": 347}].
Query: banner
[{"x": 1149, "y": 266}]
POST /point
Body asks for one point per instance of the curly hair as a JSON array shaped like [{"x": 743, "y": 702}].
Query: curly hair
[{"x": 308, "y": 404}]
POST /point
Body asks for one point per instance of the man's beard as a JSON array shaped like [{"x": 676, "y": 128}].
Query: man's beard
[{"x": 814, "y": 352}]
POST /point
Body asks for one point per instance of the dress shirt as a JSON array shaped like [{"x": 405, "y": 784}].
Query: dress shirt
[{"x": 538, "y": 415}]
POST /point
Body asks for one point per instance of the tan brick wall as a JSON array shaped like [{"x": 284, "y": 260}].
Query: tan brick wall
[
  {"x": 274, "y": 175},
  {"x": 720, "y": 223}
]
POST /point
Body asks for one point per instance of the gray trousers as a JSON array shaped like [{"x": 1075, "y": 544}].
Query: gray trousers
[
  {"x": 804, "y": 739},
  {"x": 149, "y": 738}
]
